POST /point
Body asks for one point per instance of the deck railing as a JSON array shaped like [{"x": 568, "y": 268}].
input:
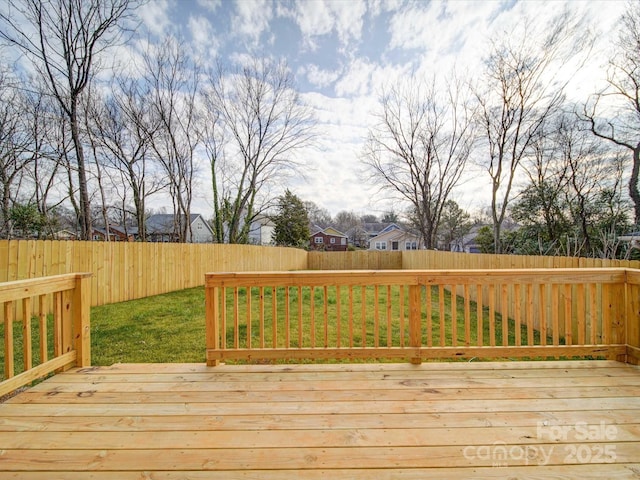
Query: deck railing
[
  {"x": 422, "y": 314},
  {"x": 52, "y": 312}
]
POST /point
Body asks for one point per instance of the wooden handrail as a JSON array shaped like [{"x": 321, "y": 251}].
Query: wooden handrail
[
  {"x": 421, "y": 314},
  {"x": 68, "y": 298}
]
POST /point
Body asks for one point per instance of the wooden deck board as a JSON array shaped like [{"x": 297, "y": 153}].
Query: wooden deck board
[{"x": 436, "y": 420}]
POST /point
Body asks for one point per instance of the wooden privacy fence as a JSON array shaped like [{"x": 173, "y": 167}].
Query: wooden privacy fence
[
  {"x": 51, "y": 342},
  {"x": 422, "y": 314},
  {"x": 124, "y": 271}
]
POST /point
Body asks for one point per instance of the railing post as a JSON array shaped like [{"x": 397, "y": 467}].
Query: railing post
[
  {"x": 632, "y": 314},
  {"x": 212, "y": 318},
  {"x": 415, "y": 321},
  {"x": 82, "y": 319}
]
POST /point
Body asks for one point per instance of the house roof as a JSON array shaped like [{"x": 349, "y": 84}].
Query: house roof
[
  {"x": 377, "y": 228},
  {"x": 395, "y": 233},
  {"x": 333, "y": 232},
  {"x": 327, "y": 231},
  {"x": 164, "y": 222}
]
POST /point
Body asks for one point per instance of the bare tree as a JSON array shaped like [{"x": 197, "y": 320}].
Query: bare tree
[
  {"x": 64, "y": 39},
  {"x": 317, "y": 215},
  {"x": 519, "y": 91},
  {"x": 266, "y": 123},
  {"x": 14, "y": 144},
  {"x": 623, "y": 126},
  {"x": 121, "y": 125},
  {"x": 419, "y": 147},
  {"x": 174, "y": 136}
]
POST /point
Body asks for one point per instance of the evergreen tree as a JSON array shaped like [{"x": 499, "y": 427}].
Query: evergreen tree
[{"x": 291, "y": 222}]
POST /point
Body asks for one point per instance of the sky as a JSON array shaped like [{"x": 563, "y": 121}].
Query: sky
[{"x": 343, "y": 52}]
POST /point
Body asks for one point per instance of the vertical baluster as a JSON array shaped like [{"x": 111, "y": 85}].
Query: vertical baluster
[
  {"x": 350, "y": 316},
  {"x": 9, "y": 367},
  {"x": 376, "y": 317},
  {"x": 42, "y": 317},
  {"x": 389, "y": 331},
  {"x": 325, "y": 313},
  {"x": 236, "y": 319},
  {"x": 593, "y": 313},
  {"x": 223, "y": 311},
  {"x": 57, "y": 324},
  {"x": 338, "y": 316},
  {"x": 581, "y": 313},
  {"x": 606, "y": 314},
  {"x": 454, "y": 315},
  {"x": 529, "y": 303},
  {"x": 287, "y": 316},
  {"x": 441, "y": 314},
  {"x": 274, "y": 316},
  {"x": 479, "y": 315},
  {"x": 415, "y": 327},
  {"x": 517, "y": 298},
  {"x": 27, "y": 348},
  {"x": 492, "y": 315},
  {"x": 402, "y": 320},
  {"x": 261, "y": 317},
  {"x": 313, "y": 317},
  {"x": 504, "y": 306},
  {"x": 555, "y": 305},
  {"x": 542, "y": 308},
  {"x": 467, "y": 315},
  {"x": 249, "y": 316},
  {"x": 300, "y": 326},
  {"x": 429, "y": 314},
  {"x": 363, "y": 307},
  {"x": 568, "y": 315}
]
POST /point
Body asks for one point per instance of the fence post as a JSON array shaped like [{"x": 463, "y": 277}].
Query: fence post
[
  {"x": 82, "y": 319},
  {"x": 415, "y": 320}
]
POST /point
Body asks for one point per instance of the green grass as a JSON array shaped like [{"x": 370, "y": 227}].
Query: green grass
[
  {"x": 171, "y": 327},
  {"x": 162, "y": 328}
]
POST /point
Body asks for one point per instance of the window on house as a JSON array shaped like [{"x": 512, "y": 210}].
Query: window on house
[
  {"x": 332, "y": 240},
  {"x": 318, "y": 240},
  {"x": 343, "y": 241},
  {"x": 381, "y": 245},
  {"x": 410, "y": 246}
]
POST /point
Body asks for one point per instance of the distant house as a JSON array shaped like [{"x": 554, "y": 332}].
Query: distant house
[
  {"x": 64, "y": 235},
  {"x": 632, "y": 238},
  {"x": 395, "y": 238},
  {"x": 468, "y": 243},
  {"x": 162, "y": 228},
  {"x": 261, "y": 231},
  {"x": 117, "y": 233},
  {"x": 328, "y": 239}
]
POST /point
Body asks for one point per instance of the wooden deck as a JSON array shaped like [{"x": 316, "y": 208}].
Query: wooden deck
[{"x": 560, "y": 419}]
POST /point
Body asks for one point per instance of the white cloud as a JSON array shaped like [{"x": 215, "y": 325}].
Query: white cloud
[
  {"x": 210, "y": 5},
  {"x": 252, "y": 20},
  {"x": 155, "y": 17},
  {"x": 319, "y": 77},
  {"x": 203, "y": 37},
  {"x": 364, "y": 77},
  {"x": 316, "y": 18}
]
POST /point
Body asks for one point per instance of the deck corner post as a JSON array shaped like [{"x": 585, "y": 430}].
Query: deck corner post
[
  {"x": 415, "y": 317},
  {"x": 81, "y": 319},
  {"x": 632, "y": 317},
  {"x": 212, "y": 320}
]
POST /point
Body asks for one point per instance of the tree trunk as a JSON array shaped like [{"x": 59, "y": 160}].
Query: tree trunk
[{"x": 633, "y": 185}]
